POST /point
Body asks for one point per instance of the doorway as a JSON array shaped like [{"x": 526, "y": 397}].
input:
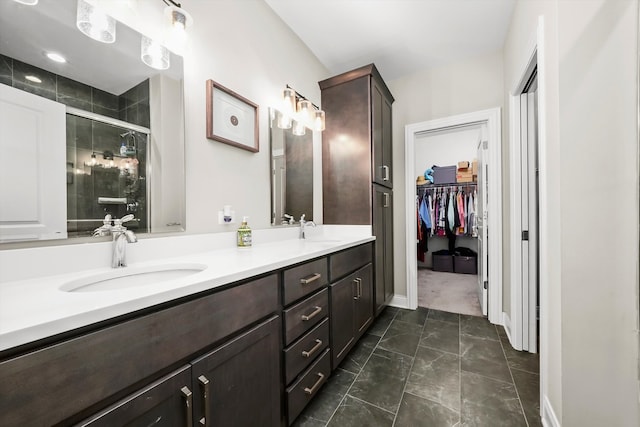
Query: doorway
[
  {"x": 524, "y": 324},
  {"x": 490, "y": 119}
]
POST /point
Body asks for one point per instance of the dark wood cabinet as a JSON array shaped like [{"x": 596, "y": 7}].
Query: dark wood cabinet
[
  {"x": 383, "y": 226},
  {"x": 357, "y": 163},
  {"x": 238, "y": 384},
  {"x": 351, "y": 311},
  {"x": 164, "y": 403}
]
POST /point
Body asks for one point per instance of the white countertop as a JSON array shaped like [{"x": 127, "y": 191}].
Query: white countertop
[{"x": 36, "y": 308}]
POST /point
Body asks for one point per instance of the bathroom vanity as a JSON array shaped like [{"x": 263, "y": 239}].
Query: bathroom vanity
[{"x": 249, "y": 340}]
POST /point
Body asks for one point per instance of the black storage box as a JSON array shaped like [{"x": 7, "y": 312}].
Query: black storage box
[
  {"x": 465, "y": 261},
  {"x": 465, "y": 264},
  {"x": 442, "y": 261},
  {"x": 444, "y": 174}
]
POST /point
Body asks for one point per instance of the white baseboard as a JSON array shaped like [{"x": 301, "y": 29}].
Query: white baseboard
[
  {"x": 399, "y": 301},
  {"x": 549, "y": 418}
]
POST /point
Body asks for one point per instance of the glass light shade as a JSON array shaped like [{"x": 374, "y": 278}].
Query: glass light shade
[
  {"x": 154, "y": 54},
  {"x": 94, "y": 23},
  {"x": 176, "y": 37},
  {"x": 284, "y": 121},
  {"x": 318, "y": 121},
  {"x": 305, "y": 112},
  {"x": 298, "y": 128},
  {"x": 289, "y": 101}
]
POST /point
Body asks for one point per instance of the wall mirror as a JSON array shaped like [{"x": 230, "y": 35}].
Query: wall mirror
[
  {"x": 115, "y": 144},
  {"x": 291, "y": 173}
]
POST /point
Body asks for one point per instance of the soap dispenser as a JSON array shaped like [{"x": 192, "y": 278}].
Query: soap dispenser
[{"x": 244, "y": 233}]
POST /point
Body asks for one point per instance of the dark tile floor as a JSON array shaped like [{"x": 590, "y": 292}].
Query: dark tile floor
[{"x": 430, "y": 368}]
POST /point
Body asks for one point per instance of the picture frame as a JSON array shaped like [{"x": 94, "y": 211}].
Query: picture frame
[{"x": 231, "y": 118}]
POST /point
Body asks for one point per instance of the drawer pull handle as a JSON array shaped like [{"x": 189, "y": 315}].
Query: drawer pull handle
[
  {"x": 309, "y": 279},
  {"x": 315, "y": 312},
  {"x": 385, "y": 173},
  {"x": 386, "y": 200},
  {"x": 204, "y": 386},
  {"x": 316, "y": 385},
  {"x": 188, "y": 400},
  {"x": 313, "y": 350}
]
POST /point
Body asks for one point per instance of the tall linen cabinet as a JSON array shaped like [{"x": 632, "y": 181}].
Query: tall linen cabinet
[{"x": 357, "y": 175}]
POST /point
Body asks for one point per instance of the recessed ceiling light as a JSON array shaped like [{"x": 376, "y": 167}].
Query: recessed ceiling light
[
  {"x": 56, "y": 57},
  {"x": 33, "y": 79}
]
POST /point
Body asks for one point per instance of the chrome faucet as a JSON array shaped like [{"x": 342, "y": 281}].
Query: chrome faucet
[
  {"x": 303, "y": 224},
  {"x": 121, "y": 236}
]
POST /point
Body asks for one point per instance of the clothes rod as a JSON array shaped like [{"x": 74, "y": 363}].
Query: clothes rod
[{"x": 459, "y": 184}]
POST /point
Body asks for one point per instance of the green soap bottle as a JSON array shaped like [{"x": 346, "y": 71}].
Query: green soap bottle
[{"x": 244, "y": 234}]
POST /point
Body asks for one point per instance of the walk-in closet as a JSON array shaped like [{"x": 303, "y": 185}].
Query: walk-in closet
[{"x": 449, "y": 212}]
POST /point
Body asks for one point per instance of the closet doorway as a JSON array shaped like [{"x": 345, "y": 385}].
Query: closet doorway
[
  {"x": 446, "y": 283},
  {"x": 486, "y": 126}
]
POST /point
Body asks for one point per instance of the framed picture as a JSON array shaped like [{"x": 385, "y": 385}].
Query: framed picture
[{"x": 231, "y": 118}]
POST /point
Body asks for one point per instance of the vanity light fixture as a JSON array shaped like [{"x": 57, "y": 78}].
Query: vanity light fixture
[
  {"x": 303, "y": 112},
  {"x": 154, "y": 54},
  {"x": 298, "y": 128},
  {"x": 95, "y": 23},
  {"x": 178, "y": 20}
]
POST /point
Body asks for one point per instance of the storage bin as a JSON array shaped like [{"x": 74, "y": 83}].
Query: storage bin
[
  {"x": 465, "y": 264},
  {"x": 444, "y": 174},
  {"x": 442, "y": 261},
  {"x": 465, "y": 261}
]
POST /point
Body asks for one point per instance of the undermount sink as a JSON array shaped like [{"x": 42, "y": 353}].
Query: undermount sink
[{"x": 131, "y": 277}]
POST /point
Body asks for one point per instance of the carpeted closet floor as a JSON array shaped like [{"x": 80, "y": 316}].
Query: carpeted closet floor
[{"x": 451, "y": 292}]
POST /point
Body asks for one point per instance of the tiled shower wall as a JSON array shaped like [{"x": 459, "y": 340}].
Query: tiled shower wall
[{"x": 84, "y": 137}]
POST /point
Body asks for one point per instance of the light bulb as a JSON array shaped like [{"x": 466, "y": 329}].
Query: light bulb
[
  {"x": 289, "y": 101},
  {"x": 305, "y": 111},
  {"x": 176, "y": 34},
  {"x": 284, "y": 121}
]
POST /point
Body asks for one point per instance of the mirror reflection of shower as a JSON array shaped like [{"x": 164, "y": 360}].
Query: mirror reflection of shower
[{"x": 109, "y": 177}]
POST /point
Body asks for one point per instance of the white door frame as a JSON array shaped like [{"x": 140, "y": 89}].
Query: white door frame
[
  {"x": 491, "y": 118},
  {"x": 521, "y": 317}
]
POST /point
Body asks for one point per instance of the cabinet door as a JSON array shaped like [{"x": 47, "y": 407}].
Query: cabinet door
[
  {"x": 387, "y": 143},
  {"x": 378, "y": 229},
  {"x": 363, "y": 302},
  {"x": 166, "y": 402},
  {"x": 388, "y": 246},
  {"x": 377, "y": 101},
  {"x": 238, "y": 384},
  {"x": 342, "y": 318}
]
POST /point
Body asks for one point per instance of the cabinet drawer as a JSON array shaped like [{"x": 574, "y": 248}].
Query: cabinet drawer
[
  {"x": 348, "y": 261},
  {"x": 301, "y": 317},
  {"x": 304, "y": 351},
  {"x": 83, "y": 371},
  {"x": 304, "y": 279},
  {"x": 304, "y": 390}
]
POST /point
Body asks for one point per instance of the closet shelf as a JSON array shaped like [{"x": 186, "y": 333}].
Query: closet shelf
[{"x": 459, "y": 184}]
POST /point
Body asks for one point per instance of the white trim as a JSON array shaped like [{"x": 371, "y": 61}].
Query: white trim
[
  {"x": 492, "y": 119},
  {"x": 549, "y": 418},
  {"x": 506, "y": 324},
  {"x": 400, "y": 301}
]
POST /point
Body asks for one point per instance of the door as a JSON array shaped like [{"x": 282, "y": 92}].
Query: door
[
  {"x": 166, "y": 402},
  {"x": 33, "y": 146},
  {"x": 482, "y": 231},
  {"x": 363, "y": 300},
  {"x": 529, "y": 215},
  {"x": 342, "y": 294},
  {"x": 238, "y": 384}
]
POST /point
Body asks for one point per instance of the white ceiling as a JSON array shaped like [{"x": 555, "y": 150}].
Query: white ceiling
[{"x": 399, "y": 36}]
